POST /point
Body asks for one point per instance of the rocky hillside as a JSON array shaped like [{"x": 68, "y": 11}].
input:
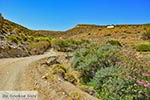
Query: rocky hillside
[{"x": 16, "y": 40}]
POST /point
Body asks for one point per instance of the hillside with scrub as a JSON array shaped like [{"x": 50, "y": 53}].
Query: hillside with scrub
[{"x": 101, "y": 62}]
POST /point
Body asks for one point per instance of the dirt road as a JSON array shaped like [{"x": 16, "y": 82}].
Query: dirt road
[
  {"x": 21, "y": 74},
  {"x": 12, "y": 69}
]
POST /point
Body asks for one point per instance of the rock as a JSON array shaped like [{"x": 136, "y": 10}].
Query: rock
[
  {"x": 12, "y": 52},
  {"x": 45, "y": 76},
  {"x": 13, "y": 45},
  {"x": 52, "y": 60}
]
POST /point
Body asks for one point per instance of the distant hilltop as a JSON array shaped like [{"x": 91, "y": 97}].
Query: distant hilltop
[
  {"x": 116, "y": 25},
  {"x": 89, "y": 25}
]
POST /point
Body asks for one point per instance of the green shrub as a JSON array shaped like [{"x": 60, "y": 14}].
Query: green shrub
[
  {"x": 88, "y": 61},
  {"x": 30, "y": 39},
  {"x": 143, "y": 47},
  {"x": 24, "y": 38},
  {"x": 114, "y": 42},
  {"x": 20, "y": 38},
  {"x": 14, "y": 38},
  {"x": 115, "y": 73},
  {"x": 43, "y": 39},
  {"x": 68, "y": 45},
  {"x": 146, "y": 58},
  {"x": 110, "y": 84}
]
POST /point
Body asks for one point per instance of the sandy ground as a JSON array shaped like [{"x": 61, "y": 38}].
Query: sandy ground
[
  {"x": 12, "y": 69},
  {"x": 24, "y": 74}
]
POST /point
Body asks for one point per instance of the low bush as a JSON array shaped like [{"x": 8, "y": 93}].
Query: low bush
[
  {"x": 26, "y": 38},
  {"x": 66, "y": 73},
  {"x": 114, "y": 42},
  {"x": 143, "y": 47},
  {"x": 88, "y": 61},
  {"x": 110, "y": 84},
  {"x": 43, "y": 39},
  {"x": 20, "y": 38},
  {"x": 115, "y": 73},
  {"x": 14, "y": 38},
  {"x": 68, "y": 45}
]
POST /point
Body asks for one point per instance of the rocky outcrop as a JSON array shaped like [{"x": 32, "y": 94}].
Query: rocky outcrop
[{"x": 13, "y": 52}]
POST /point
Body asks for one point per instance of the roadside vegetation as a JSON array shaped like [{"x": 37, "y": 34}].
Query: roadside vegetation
[
  {"x": 143, "y": 47},
  {"x": 115, "y": 74},
  {"x": 34, "y": 45},
  {"x": 68, "y": 45}
]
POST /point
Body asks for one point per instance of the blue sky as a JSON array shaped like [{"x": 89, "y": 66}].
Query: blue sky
[{"x": 64, "y": 14}]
